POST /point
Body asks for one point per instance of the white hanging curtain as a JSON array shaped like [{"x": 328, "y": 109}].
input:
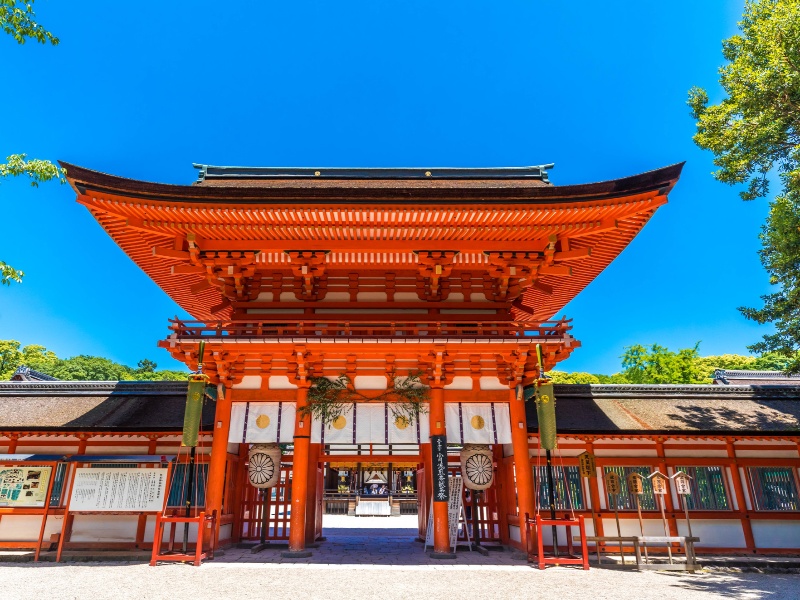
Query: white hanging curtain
[
  {"x": 478, "y": 423},
  {"x": 371, "y": 424},
  {"x": 262, "y": 422}
]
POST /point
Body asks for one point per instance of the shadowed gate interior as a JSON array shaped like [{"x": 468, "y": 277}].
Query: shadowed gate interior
[{"x": 359, "y": 484}]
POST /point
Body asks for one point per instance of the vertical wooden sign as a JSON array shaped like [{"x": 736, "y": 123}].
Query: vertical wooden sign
[
  {"x": 441, "y": 491},
  {"x": 586, "y": 464}
]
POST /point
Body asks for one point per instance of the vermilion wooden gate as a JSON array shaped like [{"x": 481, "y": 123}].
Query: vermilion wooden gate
[{"x": 278, "y": 508}]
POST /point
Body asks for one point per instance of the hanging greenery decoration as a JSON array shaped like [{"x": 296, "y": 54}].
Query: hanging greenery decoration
[{"x": 329, "y": 399}]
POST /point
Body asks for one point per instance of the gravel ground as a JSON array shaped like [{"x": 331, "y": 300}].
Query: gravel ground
[{"x": 366, "y": 558}]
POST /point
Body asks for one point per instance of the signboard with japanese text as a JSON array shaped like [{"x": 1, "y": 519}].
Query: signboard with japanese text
[
  {"x": 24, "y": 486},
  {"x": 682, "y": 485},
  {"x": 118, "y": 490},
  {"x": 439, "y": 456},
  {"x": 613, "y": 486},
  {"x": 635, "y": 484},
  {"x": 586, "y": 464},
  {"x": 659, "y": 482}
]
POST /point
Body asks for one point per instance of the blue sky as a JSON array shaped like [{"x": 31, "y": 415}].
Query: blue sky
[{"x": 597, "y": 88}]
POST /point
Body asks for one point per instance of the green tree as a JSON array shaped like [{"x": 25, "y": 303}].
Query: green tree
[
  {"x": 578, "y": 377},
  {"x": 657, "y": 364},
  {"x": 78, "y": 368},
  {"x": 754, "y": 132},
  {"x": 18, "y": 20}
]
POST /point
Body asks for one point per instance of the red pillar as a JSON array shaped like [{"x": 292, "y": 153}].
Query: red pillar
[
  {"x": 311, "y": 494},
  {"x": 522, "y": 465},
  {"x": 441, "y": 530},
  {"x": 219, "y": 453},
  {"x": 302, "y": 443}
]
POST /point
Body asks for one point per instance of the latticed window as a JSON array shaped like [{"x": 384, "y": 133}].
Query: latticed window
[
  {"x": 568, "y": 489},
  {"x": 773, "y": 488},
  {"x": 180, "y": 481},
  {"x": 627, "y": 501},
  {"x": 57, "y": 490},
  {"x": 708, "y": 488}
]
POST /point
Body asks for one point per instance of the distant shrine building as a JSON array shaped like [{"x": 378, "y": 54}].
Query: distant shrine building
[{"x": 372, "y": 276}]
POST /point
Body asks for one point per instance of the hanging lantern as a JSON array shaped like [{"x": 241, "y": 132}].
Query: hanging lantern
[
  {"x": 546, "y": 414},
  {"x": 264, "y": 468},
  {"x": 194, "y": 410},
  {"x": 477, "y": 469}
]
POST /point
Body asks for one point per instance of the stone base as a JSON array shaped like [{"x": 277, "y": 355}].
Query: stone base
[
  {"x": 296, "y": 554},
  {"x": 443, "y": 555}
]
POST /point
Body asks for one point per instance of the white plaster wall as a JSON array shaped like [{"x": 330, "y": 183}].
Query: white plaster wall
[
  {"x": 609, "y": 452},
  {"x": 150, "y": 531},
  {"x": 630, "y": 527},
  {"x": 714, "y": 532},
  {"x": 766, "y": 454},
  {"x": 776, "y": 534},
  {"x": 513, "y": 533},
  {"x": 492, "y": 383},
  {"x": 104, "y": 528},
  {"x": 25, "y": 528},
  {"x": 280, "y": 382},
  {"x": 370, "y": 382},
  {"x": 460, "y": 383},
  {"x": 696, "y": 453},
  {"x": 249, "y": 382}
]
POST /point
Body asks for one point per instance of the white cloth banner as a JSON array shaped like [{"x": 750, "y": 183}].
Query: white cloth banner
[
  {"x": 262, "y": 422},
  {"x": 478, "y": 423},
  {"x": 338, "y": 432}
]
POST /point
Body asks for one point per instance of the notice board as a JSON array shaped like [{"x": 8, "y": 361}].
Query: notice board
[
  {"x": 24, "y": 486},
  {"x": 118, "y": 490}
]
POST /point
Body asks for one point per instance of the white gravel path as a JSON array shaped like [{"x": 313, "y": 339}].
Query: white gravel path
[{"x": 372, "y": 558}]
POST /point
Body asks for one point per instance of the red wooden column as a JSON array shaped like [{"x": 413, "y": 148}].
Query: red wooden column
[
  {"x": 441, "y": 530},
  {"x": 302, "y": 443},
  {"x": 311, "y": 493},
  {"x": 522, "y": 466},
  {"x": 219, "y": 454}
]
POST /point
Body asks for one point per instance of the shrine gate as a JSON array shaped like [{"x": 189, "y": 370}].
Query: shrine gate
[{"x": 455, "y": 274}]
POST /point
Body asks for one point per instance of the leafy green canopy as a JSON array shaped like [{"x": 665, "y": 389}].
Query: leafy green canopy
[
  {"x": 755, "y": 132},
  {"x": 656, "y": 364},
  {"x": 77, "y": 368},
  {"x": 17, "y": 20}
]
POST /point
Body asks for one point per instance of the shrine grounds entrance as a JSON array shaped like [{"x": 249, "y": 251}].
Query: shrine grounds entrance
[{"x": 364, "y": 491}]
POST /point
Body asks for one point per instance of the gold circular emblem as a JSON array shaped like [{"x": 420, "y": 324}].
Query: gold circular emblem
[
  {"x": 427, "y": 173},
  {"x": 316, "y": 173},
  {"x": 400, "y": 422},
  {"x": 262, "y": 422},
  {"x": 339, "y": 422},
  {"x": 196, "y": 396},
  {"x": 477, "y": 422},
  {"x": 544, "y": 398}
]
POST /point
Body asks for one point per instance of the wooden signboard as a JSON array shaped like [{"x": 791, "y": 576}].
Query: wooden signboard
[
  {"x": 24, "y": 486},
  {"x": 439, "y": 456},
  {"x": 586, "y": 464},
  {"x": 613, "y": 486},
  {"x": 682, "y": 485},
  {"x": 635, "y": 484},
  {"x": 454, "y": 510},
  {"x": 659, "y": 482}
]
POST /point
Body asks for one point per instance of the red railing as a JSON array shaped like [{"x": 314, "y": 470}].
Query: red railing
[{"x": 547, "y": 331}]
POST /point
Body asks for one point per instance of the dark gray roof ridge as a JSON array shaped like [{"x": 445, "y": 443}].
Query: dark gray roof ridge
[
  {"x": 89, "y": 388},
  {"x": 230, "y": 172}
]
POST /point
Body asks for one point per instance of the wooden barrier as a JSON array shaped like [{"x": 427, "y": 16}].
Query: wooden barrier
[{"x": 203, "y": 522}]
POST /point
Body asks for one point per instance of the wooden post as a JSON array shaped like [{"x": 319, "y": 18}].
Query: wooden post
[
  {"x": 311, "y": 494},
  {"x": 441, "y": 529},
  {"x": 522, "y": 468},
  {"x": 219, "y": 454},
  {"x": 302, "y": 443}
]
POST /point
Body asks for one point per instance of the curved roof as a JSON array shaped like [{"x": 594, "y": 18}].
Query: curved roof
[{"x": 375, "y": 213}]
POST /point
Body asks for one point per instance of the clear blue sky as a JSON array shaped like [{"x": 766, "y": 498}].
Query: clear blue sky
[{"x": 143, "y": 90}]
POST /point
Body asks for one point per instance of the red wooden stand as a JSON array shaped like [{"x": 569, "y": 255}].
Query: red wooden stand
[
  {"x": 539, "y": 524},
  {"x": 203, "y": 521}
]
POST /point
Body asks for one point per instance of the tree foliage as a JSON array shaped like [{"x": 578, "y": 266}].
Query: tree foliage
[
  {"x": 77, "y": 368},
  {"x": 657, "y": 364},
  {"x": 18, "y": 20},
  {"x": 754, "y": 132}
]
